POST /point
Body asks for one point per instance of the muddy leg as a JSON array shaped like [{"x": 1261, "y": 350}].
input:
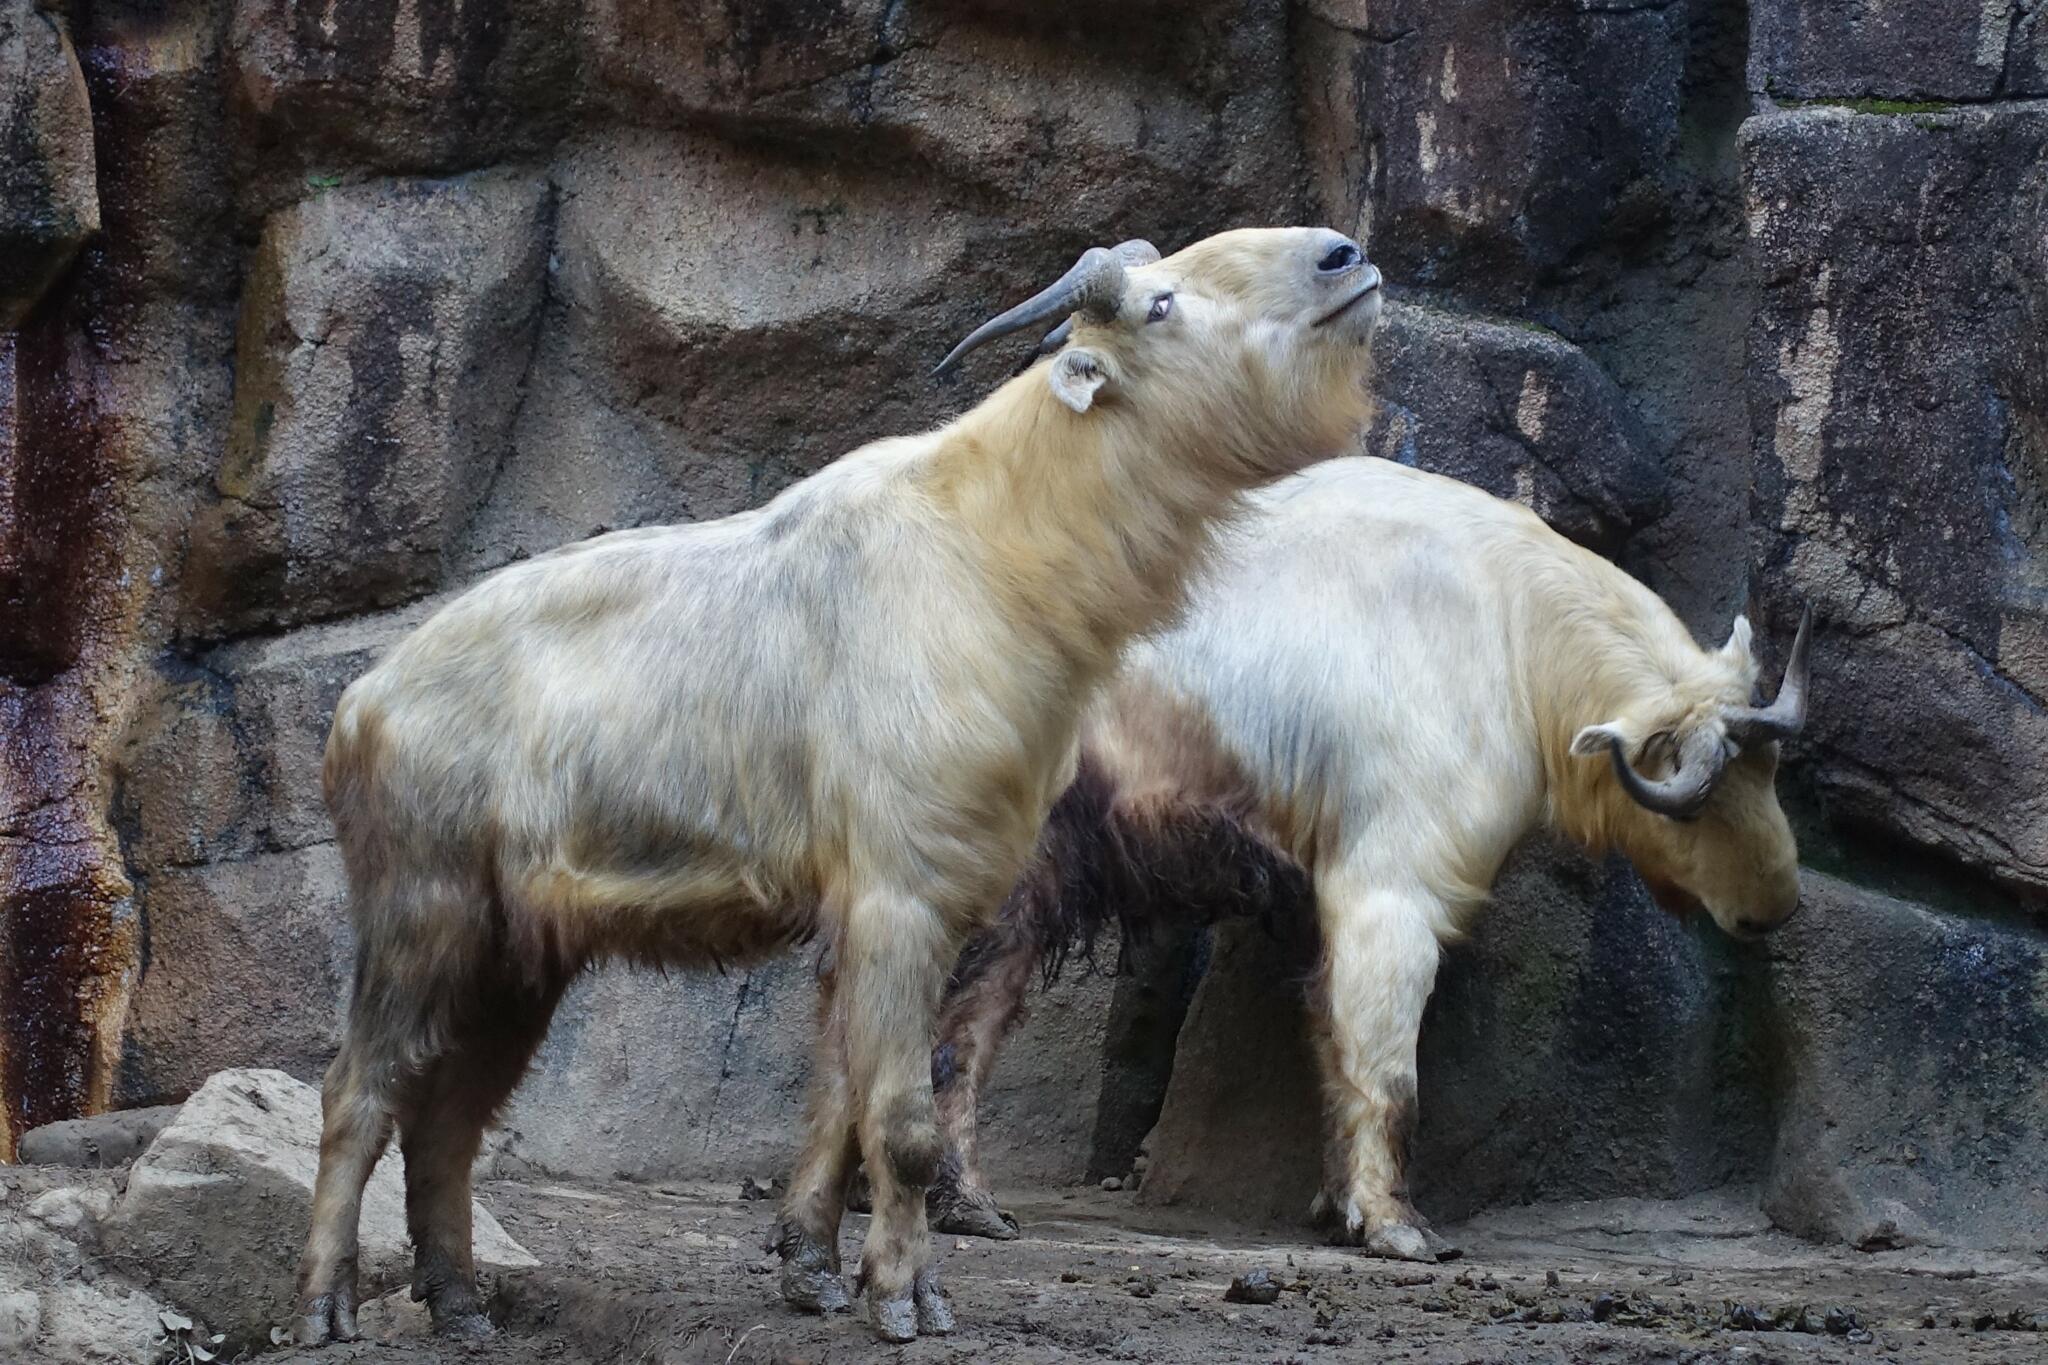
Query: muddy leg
[
  {"x": 1379, "y": 964},
  {"x": 808, "y": 1235},
  {"x": 355, "y": 1124},
  {"x": 977, "y": 1017},
  {"x": 896, "y": 954},
  {"x": 441, "y": 1127}
]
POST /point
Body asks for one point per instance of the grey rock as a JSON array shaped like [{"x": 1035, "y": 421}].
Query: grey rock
[
  {"x": 49, "y": 202},
  {"x": 1911, "y": 1106},
  {"x": 1579, "y": 1043},
  {"x": 1515, "y": 410},
  {"x": 1476, "y": 144},
  {"x": 1899, "y": 402},
  {"x": 385, "y": 331},
  {"x": 225, "y": 761},
  {"x": 217, "y": 1207},
  {"x": 100, "y": 1141},
  {"x": 21, "y": 1320},
  {"x": 57, "y": 1305},
  {"x": 1896, "y": 50},
  {"x": 1256, "y": 1286},
  {"x": 652, "y": 1077}
]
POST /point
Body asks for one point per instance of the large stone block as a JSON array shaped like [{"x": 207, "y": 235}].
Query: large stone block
[
  {"x": 1899, "y": 406},
  {"x": 225, "y": 761},
  {"x": 104, "y": 1140},
  {"x": 1896, "y": 50},
  {"x": 1475, "y": 144},
  {"x": 1580, "y": 1044},
  {"x": 60, "y": 1306},
  {"x": 705, "y": 1076},
  {"x": 432, "y": 87},
  {"x": 1132, "y": 124},
  {"x": 645, "y": 57},
  {"x": 1517, "y": 411},
  {"x": 247, "y": 962},
  {"x": 1915, "y": 1089},
  {"x": 49, "y": 203},
  {"x": 216, "y": 1210},
  {"x": 385, "y": 333}
]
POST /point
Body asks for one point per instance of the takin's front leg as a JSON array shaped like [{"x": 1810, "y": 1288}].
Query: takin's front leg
[
  {"x": 1379, "y": 964},
  {"x": 893, "y": 957}
]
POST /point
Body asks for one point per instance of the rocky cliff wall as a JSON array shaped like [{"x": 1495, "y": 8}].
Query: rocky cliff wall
[{"x": 315, "y": 309}]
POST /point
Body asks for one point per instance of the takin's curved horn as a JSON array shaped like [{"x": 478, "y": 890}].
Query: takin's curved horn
[
  {"x": 1702, "y": 758},
  {"x": 1095, "y": 285},
  {"x": 1784, "y": 717}
]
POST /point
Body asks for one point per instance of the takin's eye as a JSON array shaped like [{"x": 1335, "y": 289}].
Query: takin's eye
[{"x": 1161, "y": 306}]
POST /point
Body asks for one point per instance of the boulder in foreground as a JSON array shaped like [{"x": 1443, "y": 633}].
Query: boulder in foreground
[{"x": 218, "y": 1205}]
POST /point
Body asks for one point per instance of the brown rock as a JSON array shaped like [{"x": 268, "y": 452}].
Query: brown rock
[
  {"x": 49, "y": 203},
  {"x": 437, "y": 86},
  {"x": 247, "y": 959}
]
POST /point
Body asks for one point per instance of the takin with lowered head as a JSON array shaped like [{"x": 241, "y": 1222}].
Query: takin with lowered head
[
  {"x": 847, "y": 710},
  {"x": 1389, "y": 679}
]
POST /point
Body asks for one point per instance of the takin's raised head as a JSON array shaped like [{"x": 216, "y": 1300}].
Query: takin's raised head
[
  {"x": 1389, "y": 680},
  {"x": 848, "y": 710}
]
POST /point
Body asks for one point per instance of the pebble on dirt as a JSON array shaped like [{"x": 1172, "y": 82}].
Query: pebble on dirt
[{"x": 1254, "y": 1286}]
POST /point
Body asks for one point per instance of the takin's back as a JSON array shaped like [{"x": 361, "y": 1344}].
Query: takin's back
[
  {"x": 641, "y": 719},
  {"x": 1355, "y": 654}
]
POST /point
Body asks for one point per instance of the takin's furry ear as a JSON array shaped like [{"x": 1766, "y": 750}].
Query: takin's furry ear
[
  {"x": 1075, "y": 375},
  {"x": 1737, "y": 647},
  {"x": 1596, "y": 740}
]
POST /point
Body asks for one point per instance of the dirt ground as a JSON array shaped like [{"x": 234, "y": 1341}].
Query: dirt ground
[{"x": 643, "y": 1275}]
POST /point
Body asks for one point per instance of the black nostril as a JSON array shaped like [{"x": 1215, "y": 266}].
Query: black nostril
[{"x": 1341, "y": 258}]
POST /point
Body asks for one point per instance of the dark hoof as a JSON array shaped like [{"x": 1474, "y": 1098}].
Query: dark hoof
[
  {"x": 934, "y": 1312},
  {"x": 1394, "y": 1241},
  {"x": 464, "y": 1327},
  {"x": 324, "y": 1319},
  {"x": 968, "y": 1213},
  {"x": 894, "y": 1319},
  {"x": 814, "y": 1289},
  {"x": 810, "y": 1272}
]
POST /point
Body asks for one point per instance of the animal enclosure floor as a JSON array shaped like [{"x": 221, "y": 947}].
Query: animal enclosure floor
[{"x": 642, "y": 1275}]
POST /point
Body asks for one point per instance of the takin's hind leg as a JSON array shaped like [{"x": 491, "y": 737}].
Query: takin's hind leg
[
  {"x": 441, "y": 1127},
  {"x": 1380, "y": 952},
  {"x": 807, "y": 1235},
  {"x": 356, "y": 1120},
  {"x": 979, "y": 1014},
  {"x": 895, "y": 953}
]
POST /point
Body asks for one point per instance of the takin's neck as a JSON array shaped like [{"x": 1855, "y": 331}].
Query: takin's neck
[
  {"x": 1594, "y": 643},
  {"x": 1086, "y": 531}
]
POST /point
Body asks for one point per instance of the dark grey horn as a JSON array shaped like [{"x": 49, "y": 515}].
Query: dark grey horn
[
  {"x": 1702, "y": 758},
  {"x": 1056, "y": 338},
  {"x": 1095, "y": 285},
  {"x": 1786, "y": 715}
]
